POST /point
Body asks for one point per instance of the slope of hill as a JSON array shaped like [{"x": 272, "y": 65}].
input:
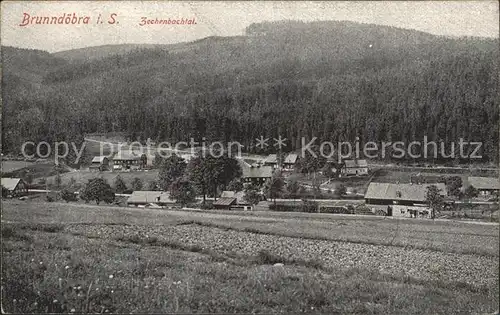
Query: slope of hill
[
  {"x": 98, "y": 52},
  {"x": 333, "y": 80}
]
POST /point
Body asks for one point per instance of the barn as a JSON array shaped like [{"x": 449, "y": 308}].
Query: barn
[
  {"x": 403, "y": 200},
  {"x": 485, "y": 185},
  {"x": 16, "y": 187},
  {"x": 150, "y": 198}
]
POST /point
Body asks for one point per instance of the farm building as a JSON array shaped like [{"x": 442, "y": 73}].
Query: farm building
[
  {"x": 485, "y": 185},
  {"x": 16, "y": 186},
  {"x": 150, "y": 198},
  {"x": 256, "y": 175},
  {"x": 355, "y": 167},
  {"x": 99, "y": 163},
  {"x": 271, "y": 160},
  {"x": 128, "y": 160},
  {"x": 406, "y": 200},
  {"x": 224, "y": 203},
  {"x": 290, "y": 161},
  {"x": 232, "y": 200}
]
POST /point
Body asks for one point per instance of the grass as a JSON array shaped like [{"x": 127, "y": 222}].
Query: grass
[
  {"x": 37, "y": 170},
  {"x": 424, "y": 234},
  {"x": 48, "y": 268},
  {"x": 12, "y": 165},
  {"x": 106, "y": 276}
]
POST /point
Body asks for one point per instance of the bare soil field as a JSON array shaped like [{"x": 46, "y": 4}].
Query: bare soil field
[{"x": 61, "y": 257}]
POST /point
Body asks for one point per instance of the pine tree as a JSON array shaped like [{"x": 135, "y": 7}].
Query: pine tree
[
  {"x": 172, "y": 168},
  {"x": 120, "y": 185},
  {"x": 182, "y": 191},
  {"x": 136, "y": 184}
]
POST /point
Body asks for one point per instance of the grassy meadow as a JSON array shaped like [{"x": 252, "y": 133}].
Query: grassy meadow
[{"x": 60, "y": 257}]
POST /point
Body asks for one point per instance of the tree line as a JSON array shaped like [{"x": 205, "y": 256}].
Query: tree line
[{"x": 301, "y": 81}]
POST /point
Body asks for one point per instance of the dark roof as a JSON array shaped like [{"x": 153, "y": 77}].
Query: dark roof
[
  {"x": 410, "y": 192},
  {"x": 484, "y": 183},
  {"x": 224, "y": 201},
  {"x": 355, "y": 163},
  {"x": 240, "y": 196}
]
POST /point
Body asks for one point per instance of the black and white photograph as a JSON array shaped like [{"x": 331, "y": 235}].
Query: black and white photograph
[{"x": 250, "y": 157}]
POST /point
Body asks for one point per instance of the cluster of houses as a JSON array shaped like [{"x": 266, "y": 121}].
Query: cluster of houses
[
  {"x": 408, "y": 200},
  {"x": 348, "y": 167}
]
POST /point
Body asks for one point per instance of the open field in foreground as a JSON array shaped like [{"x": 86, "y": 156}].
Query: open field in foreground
[{"x": 59, "y": 257}]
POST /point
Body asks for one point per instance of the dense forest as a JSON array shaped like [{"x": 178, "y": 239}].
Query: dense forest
[{"x": 331, "y": 80}]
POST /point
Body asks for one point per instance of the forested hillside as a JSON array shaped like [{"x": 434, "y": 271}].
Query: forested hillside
[{"x": 332, "y": 80}]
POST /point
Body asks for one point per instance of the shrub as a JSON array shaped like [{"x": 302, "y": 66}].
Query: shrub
[
  {"x": 310, "y": 206},
  {"x": 336, "y": 210},
  {"x": 266, "y": 257},
  {"x": 5, "y": 192},
  {"x": 208, "y": 205},
  {"x": 68, "y": 195},
  {"x": 284, "y": 208}
]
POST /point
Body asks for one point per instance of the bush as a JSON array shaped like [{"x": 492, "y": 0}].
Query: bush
[
  {"x": 207, "y": 205},
  {"x": 304, "y": 206},
  {"x": 284, "y": 208},
  {"x": 68, "y": 195},
  {"x": 336, "y": 210},
  {"x": 310, "y": 206},
  {"x": 267, "y": 258},
  {"x": 97, "y": 190},
  {"x": 5, "y": 192}
]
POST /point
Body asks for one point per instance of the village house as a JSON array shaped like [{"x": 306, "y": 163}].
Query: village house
[
  {"x": 128, "y": 160},
  {"x": 99, "y": 163},
  {"x": 150, "y": 198},
  {"x": 231, "y": 200},
  {"x": 271, "y": 160},
  {"x": 16, "y": 187},
  {"x": 403, "y": 200},
  {"x": 485, "y": 185},
  {"x": 150, "y": 157},
  {"x": 354, "y": 167},
  {"x": 290, "y": 161},
  {"x": 255, "y": 174}
]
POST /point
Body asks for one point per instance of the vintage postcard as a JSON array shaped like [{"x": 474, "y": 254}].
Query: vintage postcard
[{"x": 324, "y": 157}]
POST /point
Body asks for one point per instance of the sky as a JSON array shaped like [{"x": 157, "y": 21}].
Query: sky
[{"x": 449, "y": 18}]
